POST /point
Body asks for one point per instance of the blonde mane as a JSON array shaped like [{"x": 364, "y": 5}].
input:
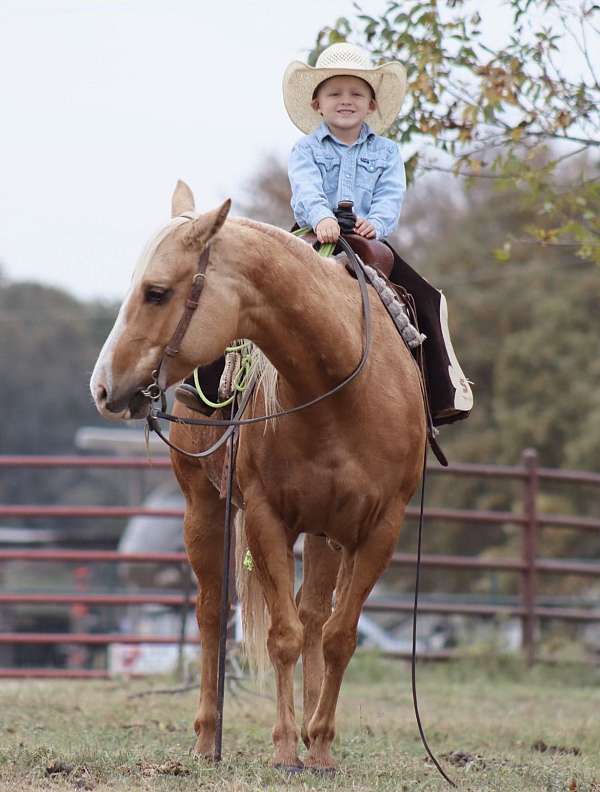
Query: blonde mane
[
  {"x": 267, "y": 381},
  {"x": 152, "y": 245}
]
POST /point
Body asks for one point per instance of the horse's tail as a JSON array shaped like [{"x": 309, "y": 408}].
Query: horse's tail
[{"x": 255, "y": 616}]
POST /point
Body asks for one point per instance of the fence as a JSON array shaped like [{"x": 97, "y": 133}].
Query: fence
[{"x": 529, "y": 566}]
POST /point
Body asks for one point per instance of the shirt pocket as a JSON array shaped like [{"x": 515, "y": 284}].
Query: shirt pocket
[
  {"x": 368, "y": 171},
  {"x": 330, "y": 171}
]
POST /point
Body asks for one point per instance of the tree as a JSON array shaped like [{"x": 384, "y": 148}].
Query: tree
[
  {"x": 268, "y": 195},
  {"x": 513, "y": 114},
  {"x": 50, "y": 341}
]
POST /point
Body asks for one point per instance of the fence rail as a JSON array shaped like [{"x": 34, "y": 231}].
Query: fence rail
[{"x": 529, "y": 566}]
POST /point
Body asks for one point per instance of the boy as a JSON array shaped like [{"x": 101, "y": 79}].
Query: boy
[{"x": 342, "y": 104}]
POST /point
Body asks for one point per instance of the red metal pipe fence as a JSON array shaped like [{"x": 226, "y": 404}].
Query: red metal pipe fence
[{"x": 528, "y": 567}]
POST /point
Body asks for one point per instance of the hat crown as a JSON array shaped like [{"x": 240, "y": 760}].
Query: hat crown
[{"x": 343, "y": 56}]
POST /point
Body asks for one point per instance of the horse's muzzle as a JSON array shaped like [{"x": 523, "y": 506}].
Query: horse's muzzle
[{"x": 124, "y": 408}]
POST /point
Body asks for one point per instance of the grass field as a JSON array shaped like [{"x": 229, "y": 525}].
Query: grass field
[{"x": 502, "y": 727}]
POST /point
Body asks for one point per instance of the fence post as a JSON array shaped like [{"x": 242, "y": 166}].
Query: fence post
[{"x": 529, "y": 553}]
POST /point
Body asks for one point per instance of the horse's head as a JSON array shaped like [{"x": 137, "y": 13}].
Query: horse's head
[{"x": 151, "y": 311}]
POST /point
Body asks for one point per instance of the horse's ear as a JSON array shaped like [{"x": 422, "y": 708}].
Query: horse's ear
[
  {"x": 206, "y": 226},
  {"x": 182, "y": 200}
]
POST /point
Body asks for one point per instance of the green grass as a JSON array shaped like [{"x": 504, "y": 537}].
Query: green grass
[{"x": 492, "y": 711}]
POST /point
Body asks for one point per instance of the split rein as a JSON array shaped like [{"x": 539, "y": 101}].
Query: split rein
[{"x": 156, "y": 392}]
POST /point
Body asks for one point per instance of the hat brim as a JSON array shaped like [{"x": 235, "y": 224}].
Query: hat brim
[{"x": 299, "y": 82}]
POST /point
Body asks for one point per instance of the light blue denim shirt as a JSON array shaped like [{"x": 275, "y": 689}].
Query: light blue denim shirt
[{"x": 324, "y": 171}]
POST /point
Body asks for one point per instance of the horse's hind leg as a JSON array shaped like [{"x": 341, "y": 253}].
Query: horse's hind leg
[
  {"x": 203, "y": 532},
  {"x": 321, "y": 565},
  {"x": 272, "y": 553},
  {"x": 359, "y": 572}
]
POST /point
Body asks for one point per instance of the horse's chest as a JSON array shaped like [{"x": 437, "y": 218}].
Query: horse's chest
[{"x": 322, "y": 494}]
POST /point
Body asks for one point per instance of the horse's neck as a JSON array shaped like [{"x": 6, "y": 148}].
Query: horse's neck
[{"x": 303, "y": 313}]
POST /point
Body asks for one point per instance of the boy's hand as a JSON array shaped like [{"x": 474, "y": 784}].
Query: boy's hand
[
  {"x": 364, "y": 228},
  {"x": 327, "y": 230}
]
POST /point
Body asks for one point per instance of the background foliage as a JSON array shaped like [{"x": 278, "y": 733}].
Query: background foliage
[{"x": 514, "y": 113}]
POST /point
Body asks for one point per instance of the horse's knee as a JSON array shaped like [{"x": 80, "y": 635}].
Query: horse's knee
[
  {"x": 313, "y": 615},
  {"x": 208, "y": 622},
  {"x": 285, "y": 642},
  {"x": 206, "y": 721},
  {"x": 339, "y": 644}
]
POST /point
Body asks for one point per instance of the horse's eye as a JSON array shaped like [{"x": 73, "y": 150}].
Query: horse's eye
[{"x": 156, "y": 295}]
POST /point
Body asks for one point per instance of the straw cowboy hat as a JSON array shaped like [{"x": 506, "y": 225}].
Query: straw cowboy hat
[{"x": 387, "y": 81}]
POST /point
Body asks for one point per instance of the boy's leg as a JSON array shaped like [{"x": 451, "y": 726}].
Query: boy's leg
[{"x": 450, "y": 395}]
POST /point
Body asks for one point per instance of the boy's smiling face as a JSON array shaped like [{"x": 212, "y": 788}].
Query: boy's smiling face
[{"x": 344, "y": 102}]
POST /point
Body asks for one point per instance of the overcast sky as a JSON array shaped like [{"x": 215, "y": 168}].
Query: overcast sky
[{"x": 106, "y": 103}]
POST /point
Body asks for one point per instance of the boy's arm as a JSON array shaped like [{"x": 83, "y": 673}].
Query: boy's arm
[
  {"x": 388, "y": 196},
  {"x": 309, "y": 202}
]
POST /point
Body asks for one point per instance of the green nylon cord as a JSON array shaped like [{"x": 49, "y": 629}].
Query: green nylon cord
[
  {"x": 240, "y": 381},
  {"x": 326, "y": 248},
  {"x": 300, "y": 232}
]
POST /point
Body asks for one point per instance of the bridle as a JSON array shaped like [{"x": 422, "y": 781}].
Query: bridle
[
  {"x": 157, "y": 388},
  {"x": 156, "y": 391}
]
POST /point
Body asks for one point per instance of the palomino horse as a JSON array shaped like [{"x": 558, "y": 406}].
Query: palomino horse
[{"x": 341, "y": 471}]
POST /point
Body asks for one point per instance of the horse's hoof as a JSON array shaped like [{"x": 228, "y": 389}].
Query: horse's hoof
[
  {"x": 289, "y": 769},
  {"x": 201, "y": 752},
  {"x": 324, "y": 772},
  {"x": 199, "y": 756}
]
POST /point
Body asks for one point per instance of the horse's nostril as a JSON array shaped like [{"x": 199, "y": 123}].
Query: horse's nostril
[{"x": 101, "y": 394}]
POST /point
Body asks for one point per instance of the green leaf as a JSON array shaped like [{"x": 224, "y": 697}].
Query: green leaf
[
  {"x": 503, "y": 253},
  {"x": 335, "y": 37}
]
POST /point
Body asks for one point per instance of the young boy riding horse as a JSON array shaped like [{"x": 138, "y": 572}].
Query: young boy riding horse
[{"x": 343, "y": 164}]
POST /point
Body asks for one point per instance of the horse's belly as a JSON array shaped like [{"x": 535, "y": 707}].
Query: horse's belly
[{"x": 339, "y": 503}]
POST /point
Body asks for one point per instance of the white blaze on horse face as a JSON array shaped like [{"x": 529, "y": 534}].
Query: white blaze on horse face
[
  {"x": 103, "y": 370},
  {"x": 102, "y": 374}
]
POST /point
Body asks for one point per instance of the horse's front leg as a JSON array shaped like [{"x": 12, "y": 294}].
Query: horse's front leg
[
  {"x": 203, "y": 533},
  {"x": 359, "y": 571},
  {"x": 272, "y": 553},
  {"x": 321, "y": 564}
]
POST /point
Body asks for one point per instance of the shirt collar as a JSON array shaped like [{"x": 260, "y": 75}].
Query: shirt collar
[{"x": 323, "y": 131}]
